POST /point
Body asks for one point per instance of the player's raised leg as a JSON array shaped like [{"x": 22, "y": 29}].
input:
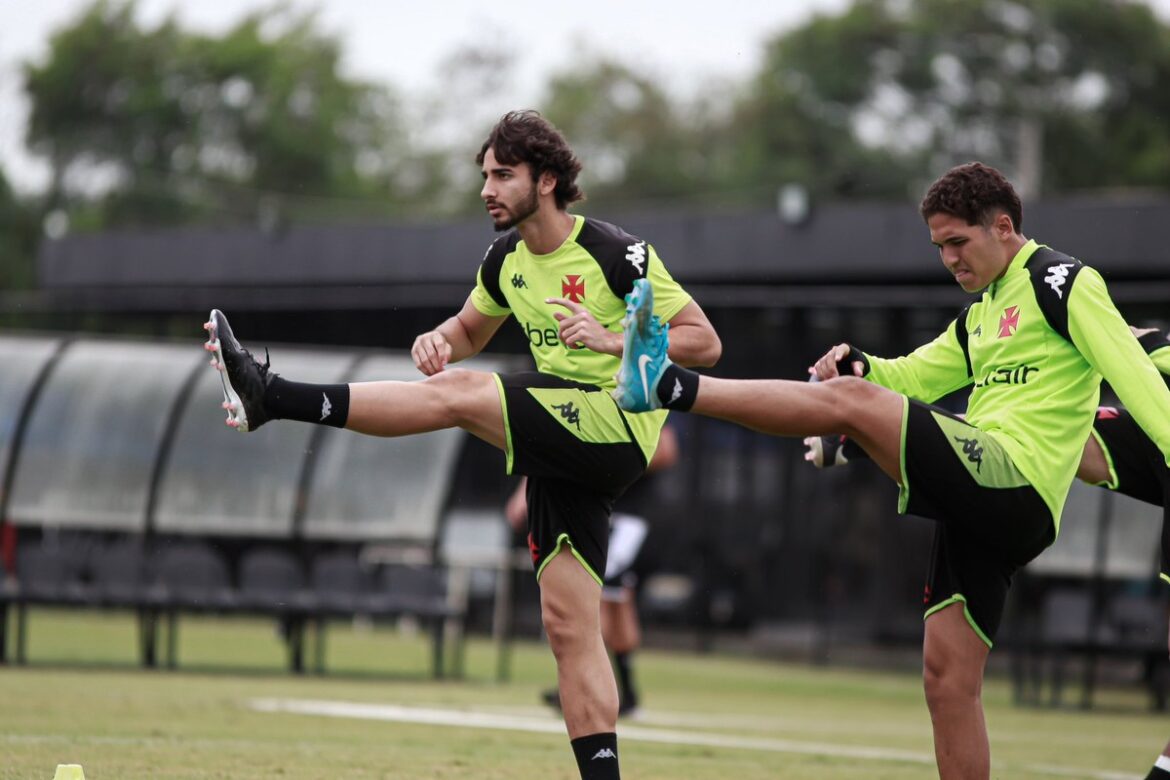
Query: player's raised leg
[
  {"x": 253, "y": 395},
  {"x": 869, "y": 414}
]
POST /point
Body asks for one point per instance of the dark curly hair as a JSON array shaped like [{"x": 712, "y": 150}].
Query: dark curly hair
[
  {"x": 973, "y": 192},
  {"x": 527, "y": 137}
]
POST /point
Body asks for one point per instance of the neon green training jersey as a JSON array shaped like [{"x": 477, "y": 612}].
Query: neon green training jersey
[
  {"x": 595, "y": 266},
  {"x": 1035, "y": 347}
]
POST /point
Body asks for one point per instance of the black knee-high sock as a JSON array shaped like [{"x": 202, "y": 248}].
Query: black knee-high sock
[
  {"x": 623, "y": 664},
  {"x": 1160, "y": 770},
  {"x": 678, "y": 388},
  {"x": 597, "y": 756},
  {"x": 322, "y": 404}
]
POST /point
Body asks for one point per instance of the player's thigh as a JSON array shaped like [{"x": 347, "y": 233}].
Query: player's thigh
[
  {"x": 570, "y": 594},
  {"x": 873, "y": 417},
  {"x": 952, "y": 651}
]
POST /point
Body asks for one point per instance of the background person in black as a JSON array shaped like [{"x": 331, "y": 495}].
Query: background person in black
[
  {"x": 621, "y": 628},
  {"x": 561, "y": 428}
]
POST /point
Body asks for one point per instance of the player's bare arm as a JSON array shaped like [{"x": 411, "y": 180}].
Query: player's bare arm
[
  {"x": 457, "y": 338},
  {"x": 578, "y": 329},
  {"x": 693, "y": 340}
]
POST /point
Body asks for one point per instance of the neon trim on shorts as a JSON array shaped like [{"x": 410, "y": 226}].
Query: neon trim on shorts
[
  {"x": 507, "y": 425},
  {"x": 957, "y": 598},
  {"x": 1165, "y": 576},
  {"x": 565, "y": 541},
  {"x": 904, "y": 488}
]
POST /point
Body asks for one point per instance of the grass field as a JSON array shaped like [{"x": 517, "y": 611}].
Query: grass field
[{"x": 231, "y": 712}]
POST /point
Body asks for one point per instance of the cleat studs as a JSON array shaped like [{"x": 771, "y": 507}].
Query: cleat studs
[{"x": 207, "y": 325}]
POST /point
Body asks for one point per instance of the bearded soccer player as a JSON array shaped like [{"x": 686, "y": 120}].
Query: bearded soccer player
[
  {"x": 563, "y": 277},
  {"x": 1034, "y": 346}
]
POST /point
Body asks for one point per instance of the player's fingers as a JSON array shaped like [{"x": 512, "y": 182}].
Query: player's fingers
[
  {"x": 572, "y": 306},
  {"x": 434, "y": 351}
]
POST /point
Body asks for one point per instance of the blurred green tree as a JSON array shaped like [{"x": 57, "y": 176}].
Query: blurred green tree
[
  {"x": 161, "y": 125},
  {"x": 19, "y": 234},
  {"x": 1062, "y": 94}
]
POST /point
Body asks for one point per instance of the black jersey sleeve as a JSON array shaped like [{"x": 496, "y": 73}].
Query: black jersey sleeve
[
  {"x": 964, "y": 337},
  {"x": 623, "y": 258},
  {"x": 1053, "y": 275},
  {"x": 493, "y": 264}
]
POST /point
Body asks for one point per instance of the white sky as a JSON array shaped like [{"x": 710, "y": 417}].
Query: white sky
[{"x": 401, "y": 42}]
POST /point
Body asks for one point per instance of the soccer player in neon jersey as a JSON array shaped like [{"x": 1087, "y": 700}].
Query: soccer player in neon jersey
[
  {"x": 1034, "y": 346},
  {"x": 563, "y": 277},
  {"x": 1117, "y": 455}
]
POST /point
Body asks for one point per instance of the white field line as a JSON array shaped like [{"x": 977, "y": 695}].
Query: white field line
[{"x": 544, "y": 725}]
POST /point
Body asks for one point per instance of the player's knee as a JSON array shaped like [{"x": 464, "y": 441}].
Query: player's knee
[
  {"x": 565, "y": 630},
  {"x": 460, "y": 388},
  {"x": 853, "y": 398},
  {"x": 946, "y": 680}
]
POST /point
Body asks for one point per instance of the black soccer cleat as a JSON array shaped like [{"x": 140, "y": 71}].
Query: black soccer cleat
[{"x": 244, "y": 379}]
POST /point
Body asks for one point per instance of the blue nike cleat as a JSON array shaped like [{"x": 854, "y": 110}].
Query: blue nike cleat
[{"x": 644, "y": 352}]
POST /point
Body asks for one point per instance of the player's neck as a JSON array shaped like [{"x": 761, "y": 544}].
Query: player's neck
[{"x": 546, "y": 230}]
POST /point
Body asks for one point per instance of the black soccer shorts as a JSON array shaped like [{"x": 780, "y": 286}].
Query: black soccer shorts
[
  {"x": 573, "y": 443},
  {"x": 991, "y": 521},
  {"x": 1136, "y": 466}
]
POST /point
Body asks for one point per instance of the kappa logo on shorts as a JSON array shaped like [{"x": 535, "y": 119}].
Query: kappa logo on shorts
[
  {"x": 569, "y": 413},
  {"x": 973, "y": 451}
]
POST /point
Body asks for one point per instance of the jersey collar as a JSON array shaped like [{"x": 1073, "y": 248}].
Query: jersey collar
[{"x": 1020, "y": 259}]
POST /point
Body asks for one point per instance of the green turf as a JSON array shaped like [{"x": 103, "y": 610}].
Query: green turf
[{"x": 83, "y": 700}]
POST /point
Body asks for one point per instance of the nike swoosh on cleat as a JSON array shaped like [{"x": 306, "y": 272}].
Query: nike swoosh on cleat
[{"x": 642, "y": 361}]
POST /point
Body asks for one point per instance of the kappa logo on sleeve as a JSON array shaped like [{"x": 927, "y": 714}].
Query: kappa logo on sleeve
[
  {"x": 1057, "y": 276},
  {"x": 636, "y": 254}
]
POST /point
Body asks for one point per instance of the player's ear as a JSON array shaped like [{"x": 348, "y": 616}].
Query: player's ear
[
  {"x": 1003, "y": 226},
  {"x": 546, "y": 183}
]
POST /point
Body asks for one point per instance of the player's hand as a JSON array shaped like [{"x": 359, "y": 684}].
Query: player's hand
[
  {"x": 431, "y": 351},
  {"x": 579, "y": 328},
  {"x": 826, "y": 367}
]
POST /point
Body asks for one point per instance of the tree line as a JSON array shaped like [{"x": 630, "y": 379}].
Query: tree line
[{"x": 149, "y": 126}]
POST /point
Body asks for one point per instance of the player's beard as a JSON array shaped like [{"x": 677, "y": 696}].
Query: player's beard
[{"x": 523, "y": 210}]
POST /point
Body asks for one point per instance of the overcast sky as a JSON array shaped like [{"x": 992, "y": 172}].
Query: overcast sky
[{"x": 401, "y": 42}]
